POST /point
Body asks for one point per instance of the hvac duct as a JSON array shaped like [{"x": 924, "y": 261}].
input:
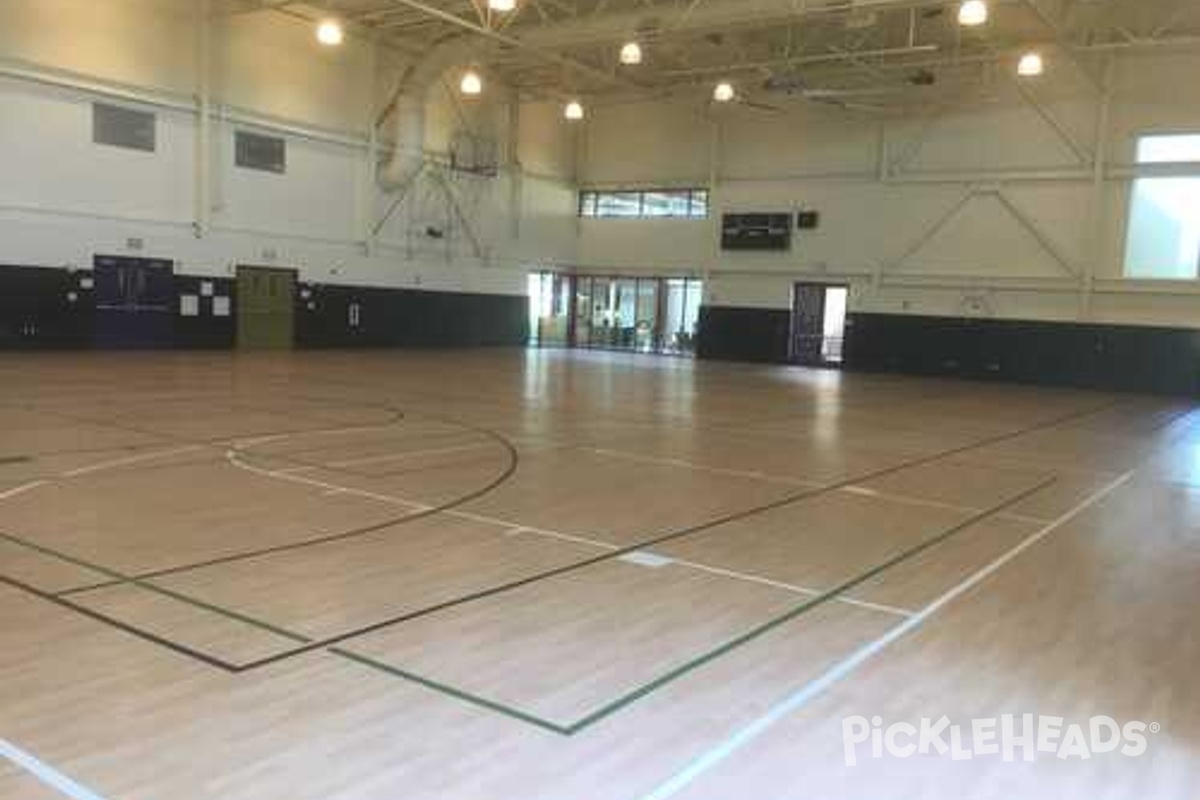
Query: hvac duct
[{"x": 408, "y": 111}]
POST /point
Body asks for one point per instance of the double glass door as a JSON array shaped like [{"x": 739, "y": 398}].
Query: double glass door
[{"x": 648, "y": 315}]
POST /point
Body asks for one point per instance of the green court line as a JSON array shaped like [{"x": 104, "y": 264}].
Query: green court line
[
  {"x": 705, "y": 658},
  {"x": 491, "y": 705},
  {"x": 126, "y": 580}
]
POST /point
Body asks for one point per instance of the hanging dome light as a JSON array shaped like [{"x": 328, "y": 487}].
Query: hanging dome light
[
  {"x": 330, "y": 33},
  {"x": 471, "y": 83},
  {"x": 973, "y": 13},
  {"x": 502, "y": 5},
  {"x": 573, "y": 110},
  {"x": 723, "y": 92},
  {"x": 1031, "y": 65},
  {"x": 631, "y": 53}
]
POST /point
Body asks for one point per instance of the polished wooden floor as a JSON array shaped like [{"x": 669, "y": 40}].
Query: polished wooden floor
[{"x": 497, "y": 575}]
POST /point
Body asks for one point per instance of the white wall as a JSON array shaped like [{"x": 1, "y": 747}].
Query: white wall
[
  {"x": 1029, "y": 244},
  {"x": 64, "y": 199}
]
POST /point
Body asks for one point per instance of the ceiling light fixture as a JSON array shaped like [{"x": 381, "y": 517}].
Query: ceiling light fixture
[
  {"x": 502, "y": 5},
  {"x": 1031, "y": 65},
  {"x": 330, "y": 33},
  {"x": 723, "y": 92},
  {"x": 471, "y": 84},
  {"x": 631, "y": 54},
  {"x": 973, "y": 13},
  {"x": 573, "y": 110}
]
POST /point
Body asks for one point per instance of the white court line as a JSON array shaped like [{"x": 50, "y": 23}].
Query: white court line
[
  {"x": 242, "y": 444},
  {"x": 729, "y": 573},
  {"x": 121, "y": 462},
  {"x": 678, "y": 462},
  {"x": 516, "y": 528},
  {"x": 919, "y": 501},
  {"x": 25, "y": 488},
  {"x": 354, "y": 462},
  {"x": 45, "y": 773},
  {"x": 232, "y": 457},
  {"x": 334, "y": 489},
  {"x": 844, "y": 668}
]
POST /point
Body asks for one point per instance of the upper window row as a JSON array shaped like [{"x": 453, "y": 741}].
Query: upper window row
[{"x": 645, "y": 204}]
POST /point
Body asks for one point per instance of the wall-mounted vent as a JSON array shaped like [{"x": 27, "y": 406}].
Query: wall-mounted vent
[
  {"x": 124, "y": 127},
  {"x": 264, "y": 153}
]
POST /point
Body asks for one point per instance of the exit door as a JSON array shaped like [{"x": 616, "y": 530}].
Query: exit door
[
  {"x": 266, "y": 308},
  {"x": 818, "y": 324}
]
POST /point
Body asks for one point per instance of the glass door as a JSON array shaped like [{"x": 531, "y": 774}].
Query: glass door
[
  {"x": 682, "y": 310},
  {"x": 603, "y": 330},
  {"x": 624, "y": 313},
  {"x": 645, "y": 315},
  {"x": 647, "y": 336},
  {"x": 549, "y": 309},
  {"x": 583, "y": 312}
]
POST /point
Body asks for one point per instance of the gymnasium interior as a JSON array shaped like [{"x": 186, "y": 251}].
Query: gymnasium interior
[{"x": 599, "y": 399}]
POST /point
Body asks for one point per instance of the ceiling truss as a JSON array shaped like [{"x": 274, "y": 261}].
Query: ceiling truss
[{"x": 899, "y": 53}]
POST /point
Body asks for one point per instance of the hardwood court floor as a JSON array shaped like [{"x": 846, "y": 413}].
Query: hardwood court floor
[{"x": 494, "y": 575}]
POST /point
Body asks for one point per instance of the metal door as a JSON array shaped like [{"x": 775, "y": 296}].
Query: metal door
[
  {"x": 808, "y": 323},
  {"x": 266, "y": 308}
]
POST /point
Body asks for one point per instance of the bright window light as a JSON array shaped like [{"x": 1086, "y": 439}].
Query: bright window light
[
  {"x": 1031, "y": 65},
  {"x": 973, "y": 13},
  {"x": 631, "y": 53},
  {"x": 1164, "y": 215},
  {"x": 330, "y": 33},
  {"x": 573, "y": 110},
  {"x": 723, "y": 92},
  {"x": 471, "y": 83}
]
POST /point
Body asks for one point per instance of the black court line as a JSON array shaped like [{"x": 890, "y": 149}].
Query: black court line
[
  {"x": 326, "y": 643},
  {"x": 121, "y": 579},
  {"x": 509, "y": 586},
  {"x": 214, "y": 444},
  {"x": 696, "y": 662},
  {"x": 504, "y": 476},
  {"x": 125, "y": 627},
  {"x": 289, "y": 457},
  {"x": 397, "y": 416},
  {"x": 679, "y": 534}
]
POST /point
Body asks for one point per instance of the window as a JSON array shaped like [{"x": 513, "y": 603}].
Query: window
[
  {"x": 264, "y": 153},
  {"x": 124, "y": 127},
  {"x": 1164, "y": 213},
  {"x": 645, "y": 204},
  {"x": 619, "y": 204}
]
